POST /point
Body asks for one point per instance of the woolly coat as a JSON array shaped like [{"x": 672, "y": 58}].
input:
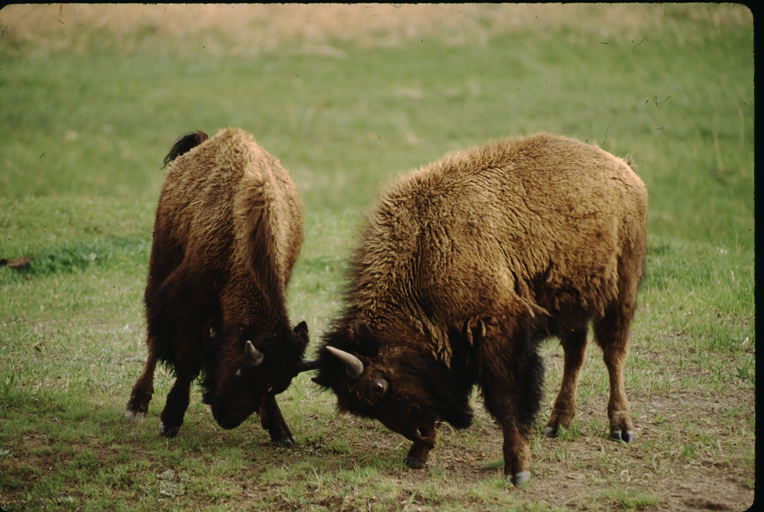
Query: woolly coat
[
  {"x": 524, "y": 227},
  {"x": 229, "y": 228}
]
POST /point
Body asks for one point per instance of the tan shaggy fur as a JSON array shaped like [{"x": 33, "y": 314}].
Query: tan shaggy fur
[
  {"x": 543, "y": 205},
  {"x": 221, "y": 190}
]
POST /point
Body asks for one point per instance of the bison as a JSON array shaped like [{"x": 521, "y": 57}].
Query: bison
[
  {"x": 227, "y": 233},
  {"x": 465, "y": 266}
]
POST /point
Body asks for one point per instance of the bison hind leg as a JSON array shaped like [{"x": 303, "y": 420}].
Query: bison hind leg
[
  {"x": 564, "y": 409},
  {"x": 612, "y": 334},
  {"x": 143, "y": 390}
]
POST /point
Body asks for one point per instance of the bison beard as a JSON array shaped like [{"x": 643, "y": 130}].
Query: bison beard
[
  {"x": 227, "y": 233},
  {"x": 465, "y": 266}
]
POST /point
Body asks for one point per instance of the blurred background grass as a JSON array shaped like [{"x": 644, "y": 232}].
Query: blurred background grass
[{"x": 350, "y": 95}]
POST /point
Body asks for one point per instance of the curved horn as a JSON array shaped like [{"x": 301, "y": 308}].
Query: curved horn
[
  {"x": 353, "y": 365},
  {"x": 306, "y": 365},
  {"x": 254, "y": 356}
]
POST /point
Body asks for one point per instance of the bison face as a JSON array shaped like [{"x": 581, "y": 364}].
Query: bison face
[
  {"x": 251, "y": 369},
  {"x": 402, "y": 386}
]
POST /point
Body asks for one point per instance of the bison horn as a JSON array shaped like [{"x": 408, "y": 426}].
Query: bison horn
[
  {"x": 353, "y": 365},
  {"x": 306, "y": 365},
  {"x": 254, "y": 356}
]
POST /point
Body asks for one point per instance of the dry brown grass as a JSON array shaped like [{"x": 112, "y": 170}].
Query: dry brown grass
[{"x": 244, "y": 28}]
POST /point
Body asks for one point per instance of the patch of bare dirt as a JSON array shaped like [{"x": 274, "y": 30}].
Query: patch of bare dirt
[{"x": 589, "y": 472}]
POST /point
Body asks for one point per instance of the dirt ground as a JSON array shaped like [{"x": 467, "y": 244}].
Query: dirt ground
[
  {"x": 568, "y": 473},
  {"x": 582, "y": 473},
  {"x": 703, "y": 484}
]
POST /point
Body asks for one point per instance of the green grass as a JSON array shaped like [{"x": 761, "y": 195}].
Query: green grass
[
  {"x": 82, "y": 137},
  {"x": 630, "y": 500},
  {"x": 395, "y": 109}
]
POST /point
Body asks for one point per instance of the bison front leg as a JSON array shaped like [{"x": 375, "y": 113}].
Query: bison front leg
[
  {"x": 517, "y": 453},
  {"x": 272, "y": 421},
  {"x": 419, "y": 452},
  {"x": 175, "y": 408},
  {"x": 517, "y": 443},
  {"x": 511, "y": 375},
  {"x": 564, "y": 410},
  {"x": 143, "y": 390}
]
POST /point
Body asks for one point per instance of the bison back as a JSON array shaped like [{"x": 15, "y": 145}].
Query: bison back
[
  {"x": 220, "y": 204},
  {"x": 538, "y": 225}
]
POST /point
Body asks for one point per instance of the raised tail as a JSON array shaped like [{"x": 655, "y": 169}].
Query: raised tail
[{"x": 184, "y": 144}]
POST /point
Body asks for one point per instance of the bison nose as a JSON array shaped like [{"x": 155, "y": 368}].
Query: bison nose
[
  {"x": 225, "y": 420},
  {"x": 228, "y": 423}
]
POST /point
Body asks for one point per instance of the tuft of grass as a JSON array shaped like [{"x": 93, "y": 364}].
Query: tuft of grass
[
  {"x": 71, "y": 257},
  {"x": 495, "y": 464},
  {"x": 339, "y": 446},
  {"x": 631, "y": 499},
  {"x": 569, "y": 434}
]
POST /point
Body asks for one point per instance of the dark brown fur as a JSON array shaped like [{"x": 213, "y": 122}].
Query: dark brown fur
[
  {"x": 228, "y": 231},
  {"x": 466, "y": 265},
  {"x": 184, "y": 144}
]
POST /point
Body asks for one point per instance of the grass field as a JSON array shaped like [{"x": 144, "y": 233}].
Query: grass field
[{"x": 349, "y": 97}]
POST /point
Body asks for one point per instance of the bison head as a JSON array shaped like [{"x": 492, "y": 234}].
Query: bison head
[
  {"x": 401, "y": 384},
  {"x": 250, "y": 368}
]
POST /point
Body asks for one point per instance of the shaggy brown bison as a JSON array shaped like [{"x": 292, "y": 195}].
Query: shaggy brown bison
[
  {"x": 228, "y": 230},
  {"x": 465, "y": 266}
]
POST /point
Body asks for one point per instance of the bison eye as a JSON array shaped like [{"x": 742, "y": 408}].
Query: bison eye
[{"x": 379, "y": 387}]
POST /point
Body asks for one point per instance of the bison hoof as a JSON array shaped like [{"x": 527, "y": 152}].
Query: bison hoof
[
  {"x": 168, "y": 432},
  {"x": 550, "y": 432},
  {"x": 133, "y": 417},
  {"x": 414, "y": 463},
  {"x": 288, "y": 442},
  {"x": 520, "y": 478},
  {"x": 282, "y": 437},
  {"x": 627, "y": 437}
]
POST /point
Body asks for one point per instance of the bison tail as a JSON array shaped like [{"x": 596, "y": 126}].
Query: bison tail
[
  {"x": 258, "y": 232},
  {"x": 184, "y": 144},
  {"x": 631, "y": 163}
]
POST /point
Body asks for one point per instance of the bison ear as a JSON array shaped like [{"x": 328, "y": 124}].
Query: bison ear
[
  {"x": 254, "y": 356},
  {"x": 240, "y": 324},
  {"x": 362, "y": 330},
  {"x": 301, "y": 330},
  {"x": 366, "y": 341}
]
